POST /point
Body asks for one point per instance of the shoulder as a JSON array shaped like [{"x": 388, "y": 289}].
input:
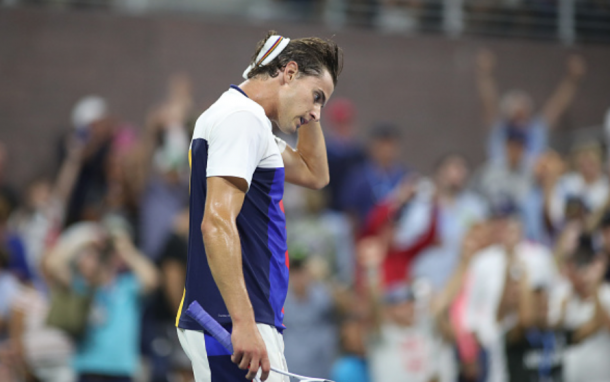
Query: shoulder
[{"x": 231, "y": 109}]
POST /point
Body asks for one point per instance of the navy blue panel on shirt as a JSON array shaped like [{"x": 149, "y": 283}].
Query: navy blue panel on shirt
[{"x": 262, "y": 229}]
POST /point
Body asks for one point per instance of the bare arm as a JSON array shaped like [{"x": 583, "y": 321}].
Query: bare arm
[
  {"x": 473, "y": 242},
  {"x": 371, "y": 252},
  {"x": 307, "y": 165},
  {"x": 68, "y": 171},
  {"x": 564, "y": 94},
  {"x": 487, "y": 87},
  {"x": 57, "y": 262},
  {"x": 225, "y": 197},
  {"x": 144, "y": 269}
]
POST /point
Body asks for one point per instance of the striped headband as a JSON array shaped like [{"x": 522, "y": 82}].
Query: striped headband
[{"x": 272, "y": 48}]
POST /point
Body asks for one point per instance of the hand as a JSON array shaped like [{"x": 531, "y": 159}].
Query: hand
[
  {"x": 406, "y": 189},
  {"x": 577, "y": 66},
  {"x": 486, "y": 61},
  {"x": 249, "y": 350}
]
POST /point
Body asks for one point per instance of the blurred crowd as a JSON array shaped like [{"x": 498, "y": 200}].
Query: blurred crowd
[{"x": 491, "y": 272}]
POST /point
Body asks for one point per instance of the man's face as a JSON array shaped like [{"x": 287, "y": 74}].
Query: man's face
[
  {"x": 514, "y": 151},
  {"x": 301, "y": 99},
  {"x": 453, "y": 174}
]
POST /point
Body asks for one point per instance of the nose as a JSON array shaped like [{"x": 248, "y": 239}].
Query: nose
[{"x": 315, "y": 113}]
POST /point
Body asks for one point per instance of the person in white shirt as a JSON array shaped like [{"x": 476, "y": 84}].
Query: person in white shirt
[
  {"x": 410, "y": 336},
  {"x": 490, "y": 293},
  {"x": 588, "y": 301},
  {"x": 586, "y": 185}
]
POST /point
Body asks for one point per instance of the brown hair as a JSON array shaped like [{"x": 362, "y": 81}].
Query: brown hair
[{"x": 312, "y": 54}]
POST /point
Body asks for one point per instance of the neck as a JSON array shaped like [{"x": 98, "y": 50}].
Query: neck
[
  {"x": 263, "y": 94},
  {"x": 446, "y": 194}
]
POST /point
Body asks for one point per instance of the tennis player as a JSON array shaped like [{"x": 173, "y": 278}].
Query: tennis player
[{"x": 237, "y": 254}]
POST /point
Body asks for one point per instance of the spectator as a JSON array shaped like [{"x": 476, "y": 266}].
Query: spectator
[
  {"x": 458, "y": 209},
  {"x": 401, "y": 249},
  {"x": 45, "y": 352},
  {"x": 373, "y": 180},
  {"x": 89, "y": 259},
  {"x": 168, "y": 360},
  {"x": 408, "y": 329},
  {"x": 510, "y": 180},
  {"x": 352, "y": 365},
  {"x": 491, "y": 294},
  {"x": 587, "y": 308},
  {"x": 343, "y": 149},
  {"x": 587, "y": 187},
  {"x": 309, "y": 310},
  {"x": 95, "y": 128},
  {"x": 324, "y": 235},
  {"x": 41, "y": 218},
  {"x": 162, "y": 166},
  {"x": 515, "y": 110},
  {"x": 534, "y": 210}
]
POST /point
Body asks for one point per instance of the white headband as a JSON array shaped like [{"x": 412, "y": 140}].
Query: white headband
[{"x": 272, "y": 48}]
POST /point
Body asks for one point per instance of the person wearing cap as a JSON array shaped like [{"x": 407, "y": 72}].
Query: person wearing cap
[
  {"x": 410, "y": 335},
  {"x": 515, "y": 110},
  {"x": 237, "y": 266},
  {"x": 374, "y": 179},
  {"x": 344, "y": 150}
]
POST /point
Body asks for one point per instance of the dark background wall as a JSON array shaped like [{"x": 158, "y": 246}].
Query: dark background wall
[{"x": 49, "y": 59}]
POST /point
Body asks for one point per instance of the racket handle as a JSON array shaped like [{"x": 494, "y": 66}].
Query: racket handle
[{"x": 196, "y": 312}]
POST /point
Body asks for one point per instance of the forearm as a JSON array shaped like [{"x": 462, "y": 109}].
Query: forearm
[
  {"x": 143, "y": 269},
  {"x": 307, "y": 165},
  {"x": 223, "y": 250},
  {"x": 560, "y": 100},
  {"x": 526, "y": 308},
  {"x": 373, "y": 281},
  {"x": 57, "y": 261},
  {"x": 489, "y": 96},
  {"x": 67, "y": 178},
  {"x": 451, "y": 290}
]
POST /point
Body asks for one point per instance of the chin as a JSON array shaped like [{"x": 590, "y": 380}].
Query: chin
[{"x": 288, "y": 129}]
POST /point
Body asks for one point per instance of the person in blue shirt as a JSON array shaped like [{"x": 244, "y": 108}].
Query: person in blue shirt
[
  {"x": 90, "y": 258},
  {"x": 515, "y": 110},
  {"x": 368, "y": 184}
]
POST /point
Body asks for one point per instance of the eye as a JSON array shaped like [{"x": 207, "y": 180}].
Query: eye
[{"x": 317, "y": 97}]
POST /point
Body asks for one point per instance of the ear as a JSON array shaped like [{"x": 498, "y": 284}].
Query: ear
[{"x": 290, "y": 71}]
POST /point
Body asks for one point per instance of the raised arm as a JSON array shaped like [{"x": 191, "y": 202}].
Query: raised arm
[
  {"x": 474, "y": 241},
  {"x": 307, "y": 165},
  {"x": 57, "y": 263},
  {"x": 564, "y": 94},
  {"x": 225, "y": 197},
  {"x": 487, "y": 87},
  {"x": 140, "y": 265}
]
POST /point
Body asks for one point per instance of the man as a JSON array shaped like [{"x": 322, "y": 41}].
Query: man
[
  {"x": 237, "y": 242},
  {"x": 458, "y": 209},
  {"x": 515, "y": 109},
  {"x": 492, "y": 289}
]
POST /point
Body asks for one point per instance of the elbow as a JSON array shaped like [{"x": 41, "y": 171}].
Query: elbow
[{"x": 319, "y": 182}]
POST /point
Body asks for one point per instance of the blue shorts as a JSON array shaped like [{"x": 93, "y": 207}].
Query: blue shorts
[{"x": 212, "y": 363}]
